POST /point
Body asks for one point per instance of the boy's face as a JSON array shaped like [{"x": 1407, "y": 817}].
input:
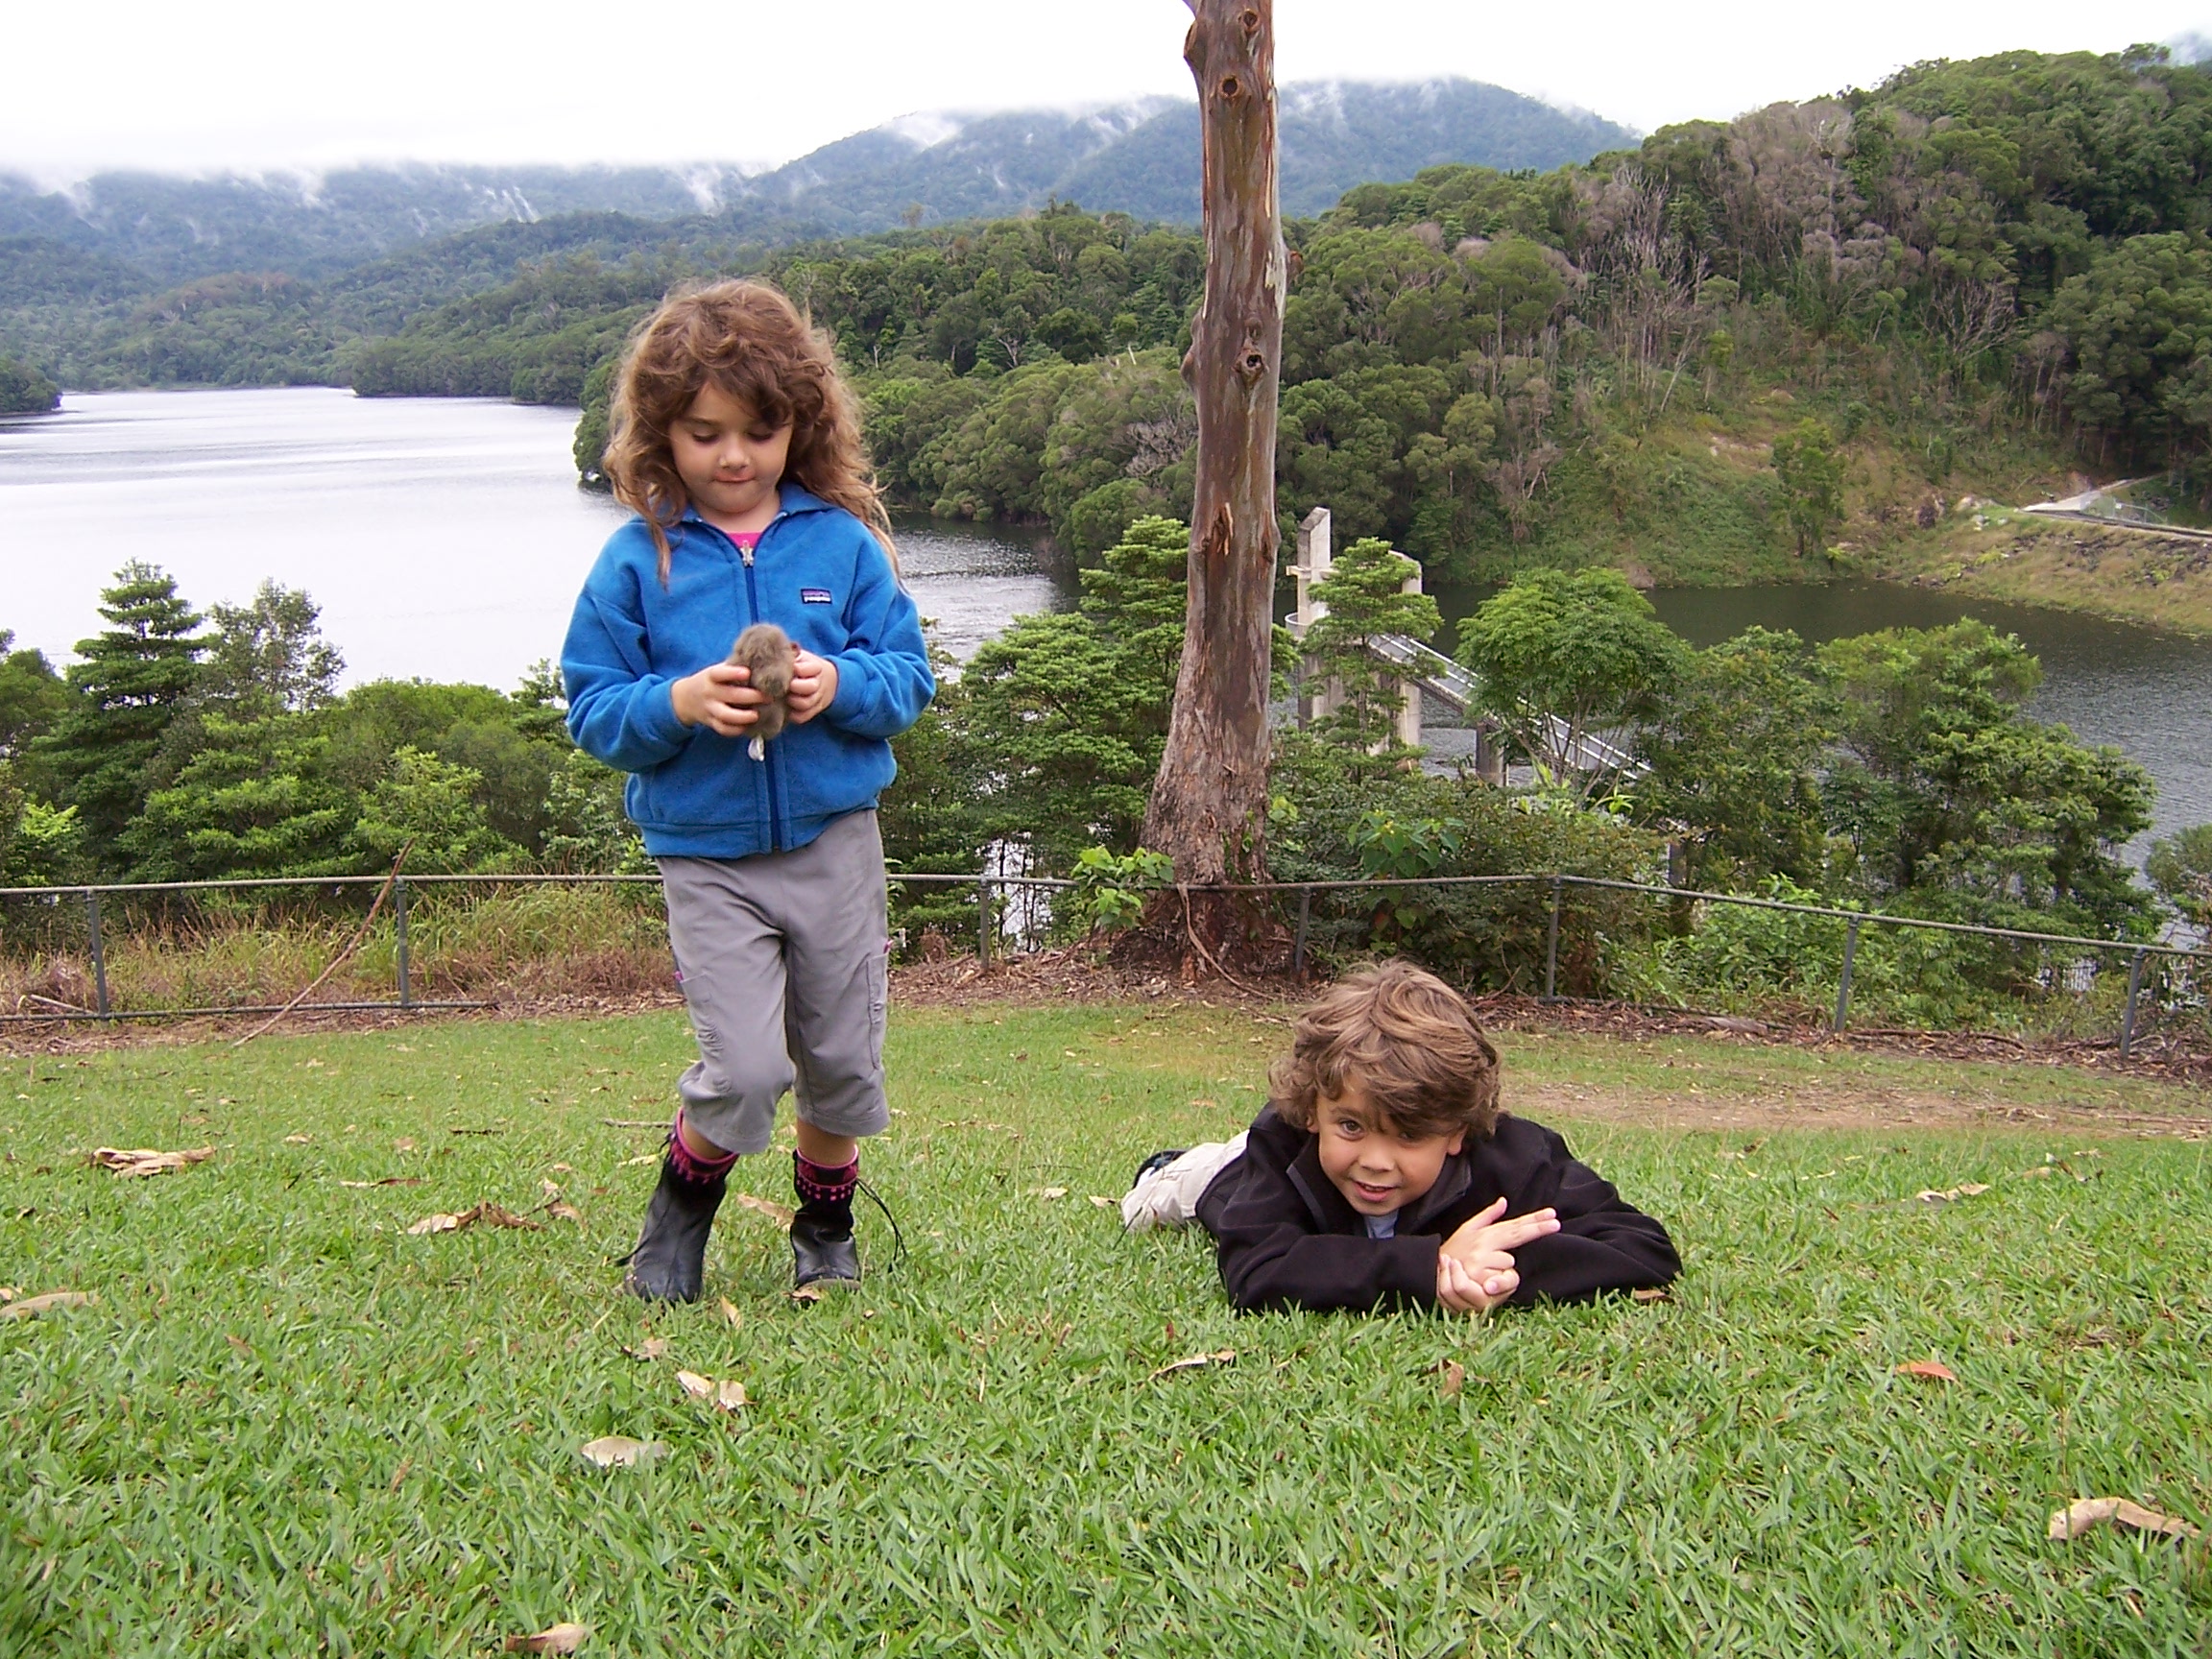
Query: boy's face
[
  {"x": 1377, "y": 1168},
  {"x": 729, "y": 460}
]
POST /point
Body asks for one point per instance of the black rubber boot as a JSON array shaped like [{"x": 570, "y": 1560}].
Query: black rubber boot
[
  {"x": 670, "y": 1261},
  {"x": 1158, "y": 1161},
  {"x": 822, "y": 1252}
]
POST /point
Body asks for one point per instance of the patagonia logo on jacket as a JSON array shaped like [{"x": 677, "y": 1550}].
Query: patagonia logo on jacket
[{"x": 816, "y": 596}]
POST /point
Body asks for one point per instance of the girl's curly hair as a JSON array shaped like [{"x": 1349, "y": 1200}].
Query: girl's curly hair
[
  {"x": 749, "y": 341},
  {"x": 1406, "y": 1038}
]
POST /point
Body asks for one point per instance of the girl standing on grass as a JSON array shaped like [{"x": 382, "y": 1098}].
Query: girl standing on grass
[{"x": 737, "y": 444}]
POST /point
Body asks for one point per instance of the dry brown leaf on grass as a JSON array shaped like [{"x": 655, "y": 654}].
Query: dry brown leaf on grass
[
  {"x": 1050, "y": 1194},
  {"x": 809, "y": 1293},
  {"x": 30, "y": 1306},
  {"x": 1933, "y": 1369},
  {"x": 388, "y": 1181},
  {"x": 729, "y": 1394},
  {"x": 653, "y": 1348},
  {"x": 548, "y": 1190},
  {"x": 298, "y": 1139},
  {"x": 566, "y": 1213},
  {"x": 773, "y": 1211},
  {"x": 561, "y": 1637},
  {"x": 488, "y": 1215},
  {"x": 2084, "y": 1513},
  {"x": 730, "y": 1313},
  {"x": 1951, "y": 1194},
  {"x": 1105, "y": 1203},
  {"x": 403, "y": 1145},
  {"x": 1194, "y": 1361},
  {"x": 621, "y": 1451},
  {"x": 1650, "y": 1293},
  {"x": 641, "y": 1158},
  {"x": 148, "y": 1160},
  {"x": 1454, "y": 1377}
]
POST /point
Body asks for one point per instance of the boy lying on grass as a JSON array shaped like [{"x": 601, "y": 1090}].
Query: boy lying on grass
[{"x": 1383, "y": 1174}]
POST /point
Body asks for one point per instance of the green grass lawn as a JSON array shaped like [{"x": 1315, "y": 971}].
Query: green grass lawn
[{"x": 287, "y": 1427}]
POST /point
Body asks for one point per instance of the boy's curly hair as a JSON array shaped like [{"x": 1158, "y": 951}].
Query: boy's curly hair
[
  {"x": 752, "y": 342},
  {"x": 1406, "y": 1038}
]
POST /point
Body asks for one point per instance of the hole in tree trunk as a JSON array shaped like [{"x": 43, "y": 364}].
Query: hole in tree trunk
[{"x": 1231, "y": 86}]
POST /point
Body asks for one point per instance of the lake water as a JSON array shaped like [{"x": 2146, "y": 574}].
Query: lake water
[{"x": 446, "y": 539}]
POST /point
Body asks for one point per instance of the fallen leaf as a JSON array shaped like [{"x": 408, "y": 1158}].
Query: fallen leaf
[
  {"x": 1933, "y": 1368},
  {"x": 2036, "y": 1172},
  {"x": 1650, "y": 1293},
  {"x": 730, "y": 1313},
  {"x": 402, "y": 1145},
  {"x": 1455, "y": 1377},
  {"x": 564, "y": 1168},
  {"x": 1952, "y": 1194},
  {"x": 561, "y": 1637},
  {"x": 775, "y": 1211},
  {"x": 809, "y": 1293},
  {"x": 298, "y": 1139},
  {"x": 388, "y": 1181},
  {"x": 148, "y": 1160},
  {"x": 1192, "y": 1362},
  {"x": 2084, "y": 1513},
  {"x": 490, "y": 1214},
  {"x": 621, "y": 1451},
  {"x": 548, "y": 1190},
  {"x": 729, "y": 1394},
  {"x": 9, "y": 1292},
  {"x": 30, "y": 1306},
  {"x": 566, "y": 1213},
  {"x": 1105, "y": 1203},
  {"x": 653, "y": 1348},
  {"x": 693, "y": 1383},
  {"x": 1050, "y": 1192},
  {"x": 641, "y": 1158}
]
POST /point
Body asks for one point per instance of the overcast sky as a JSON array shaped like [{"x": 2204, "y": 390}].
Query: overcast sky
[{"x": 265, "y": 86}]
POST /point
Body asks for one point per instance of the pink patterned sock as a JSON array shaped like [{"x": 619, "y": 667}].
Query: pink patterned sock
[{"x": 690, "y": 1166}]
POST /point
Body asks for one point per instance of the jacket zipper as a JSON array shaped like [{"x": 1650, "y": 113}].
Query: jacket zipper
[{"x": 768, "y": 754}]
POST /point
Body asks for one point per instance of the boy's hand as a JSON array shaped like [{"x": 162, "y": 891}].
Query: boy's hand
[
  {"x": 719, "y": 698},
  {"x": 1465, "y": 1289},
  {"x": 1486, "y": 1233},
  {"x": 813, "y": 687}
]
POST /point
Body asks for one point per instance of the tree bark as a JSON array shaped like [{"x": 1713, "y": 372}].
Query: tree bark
[{"x": 1209, "y": 805}]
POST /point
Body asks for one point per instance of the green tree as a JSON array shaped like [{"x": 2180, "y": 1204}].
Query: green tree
[
  {"x": 2138, "y": 324},
  {"x": 1811, "y": 476},
  {"x": 431, "y": 806},
  {"x": 587, "y": 831},
  {"x": 130, "y": 683},
  {"x": 1946, "y": 789},
  {"x": 1364, "y": 595},
  {"x": 30, "y": 695},
  {"x": 2180, "y": 869},
  {"x": 24, "y": 390},
  {"x": 256, "y": 799},
  {"x": 1564, "y": 658},
  {"x": 1736, "y": 751},
  {"x": 270, "y": 654}
]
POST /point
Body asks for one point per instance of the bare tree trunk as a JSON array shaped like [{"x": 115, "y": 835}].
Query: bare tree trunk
[{"x": 1208, "y": 808}]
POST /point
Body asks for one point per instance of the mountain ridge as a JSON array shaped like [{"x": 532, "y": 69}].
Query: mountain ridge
[{"x": 1138, "y": 157}]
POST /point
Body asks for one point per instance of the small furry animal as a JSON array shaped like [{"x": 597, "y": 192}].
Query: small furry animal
[{"x": 767, "y": 650}]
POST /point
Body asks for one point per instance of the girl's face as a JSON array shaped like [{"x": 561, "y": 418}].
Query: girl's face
[
  {"x": 1377, "y": 1168},
  {"x": 730, "y": 459}
]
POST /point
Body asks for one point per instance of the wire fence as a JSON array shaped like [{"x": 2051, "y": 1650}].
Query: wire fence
[{"x": 1568, "y": 933}]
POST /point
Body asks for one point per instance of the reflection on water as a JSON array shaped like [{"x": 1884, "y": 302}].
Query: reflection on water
[
  {"x": 970, "y": 580},
  {"x": 446, "y": 537}
]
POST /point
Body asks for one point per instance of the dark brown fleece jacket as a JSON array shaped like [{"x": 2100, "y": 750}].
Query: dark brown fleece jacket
[{"x": 1288, "y": 1239}]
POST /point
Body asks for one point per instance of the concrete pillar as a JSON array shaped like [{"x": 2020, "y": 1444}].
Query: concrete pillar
[
  {"x": 1314, "y": 698},
  {"x": 1409, "y": 719},
  {"x": 1489, "y": 754}
]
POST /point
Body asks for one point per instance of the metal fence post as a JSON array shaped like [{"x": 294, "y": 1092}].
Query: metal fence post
[
  {"x": 1305, "y": 921},
  {"x": 399, "y": 936},
  {"x": 1843, "y": 985},
  {"x": 1552, "y": 946},
  {"x": 2134, "y": 989},
  {"x": 983, "y": 921},
  {"x": 99, "y": 953}
]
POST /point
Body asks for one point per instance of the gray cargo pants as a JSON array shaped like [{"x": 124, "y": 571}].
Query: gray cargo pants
[{"x": 782, "y": 959}]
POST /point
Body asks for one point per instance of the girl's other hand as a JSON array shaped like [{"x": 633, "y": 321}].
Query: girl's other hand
[
  {"x": 813, "y": 687},
  {"x": 719, "y": 698}
]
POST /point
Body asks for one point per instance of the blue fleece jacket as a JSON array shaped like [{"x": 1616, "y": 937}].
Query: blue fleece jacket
[{"x": 820, "y": 576}]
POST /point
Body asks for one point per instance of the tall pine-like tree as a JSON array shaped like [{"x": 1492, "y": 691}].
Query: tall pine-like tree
[{"x": 130, "y": 683}]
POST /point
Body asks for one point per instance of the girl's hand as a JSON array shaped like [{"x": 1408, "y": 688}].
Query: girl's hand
[
  {"x": 1485, "y": 1234},
  {"x": 1465, "y": 1289},
  {"x": 719, "y": 698},
  {"x": 813, "y": 687}
]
